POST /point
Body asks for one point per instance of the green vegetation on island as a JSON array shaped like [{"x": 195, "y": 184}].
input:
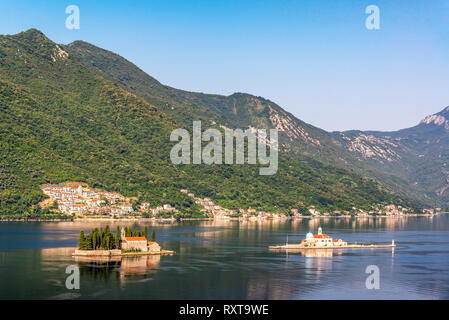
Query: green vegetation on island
[
  {"x": 99, "y": 239},
  {"x": 104, "y": 239}
]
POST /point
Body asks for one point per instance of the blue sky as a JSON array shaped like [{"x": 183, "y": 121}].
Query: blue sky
[{"x": 314, "y": 58}]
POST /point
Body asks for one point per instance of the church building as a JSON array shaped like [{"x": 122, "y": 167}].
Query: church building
[{"x": 137, "y": 243}]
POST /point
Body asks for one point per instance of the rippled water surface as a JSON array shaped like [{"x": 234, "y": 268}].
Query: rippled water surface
[{"x": 230, "y": 260}]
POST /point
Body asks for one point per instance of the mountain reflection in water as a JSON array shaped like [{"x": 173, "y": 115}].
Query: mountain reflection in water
[{"x": 231, "y": 260}]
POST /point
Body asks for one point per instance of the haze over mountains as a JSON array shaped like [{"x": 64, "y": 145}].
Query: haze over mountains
[{"x": 78, "y": 112}]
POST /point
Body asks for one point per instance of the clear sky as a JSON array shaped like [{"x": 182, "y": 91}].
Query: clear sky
[{"x": 314, "y": 58}]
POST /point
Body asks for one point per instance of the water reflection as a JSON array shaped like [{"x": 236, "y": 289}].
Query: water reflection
[
  {"x": 119, "y": 267},
  {"x": 315, "y": 253},
  {"x": 102, "y": 267},
  {"x": 63, "y": 232},
  {"x": 229, "y": 259},
  {"x": 141, "y": 265}
]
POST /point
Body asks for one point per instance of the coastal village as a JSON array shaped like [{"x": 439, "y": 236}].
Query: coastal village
[
  {"x": 210, "y": 208},
  {"x": 80, "y": 201}
]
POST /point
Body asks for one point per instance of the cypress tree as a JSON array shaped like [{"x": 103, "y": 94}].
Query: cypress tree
[
  {"x": 128, "y": 231},
  {"x": 98, "y": 240},
  {"x": 117, "y": 238},
  {"x": 89, "y": 245},
  {"x": 94, "y": 239},
  {"x": 108, "y": 242},
  {"x": 101, "y": 240},
  {"x": 81, "y": 241},
  {"x": 153, "y": 235},
  {"x": 107, "y": 231}
]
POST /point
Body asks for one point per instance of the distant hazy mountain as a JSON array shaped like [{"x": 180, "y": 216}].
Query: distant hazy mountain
[
  {"x": 79, "y": 113},
  {"x": 419, "y": 155}
]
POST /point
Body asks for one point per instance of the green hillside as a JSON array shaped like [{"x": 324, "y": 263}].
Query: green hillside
[
  {"x": 61, "y": 121},
  {"x": 242, "y": 110}
]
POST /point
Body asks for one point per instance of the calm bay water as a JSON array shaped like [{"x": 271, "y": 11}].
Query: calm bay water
[{"x": 230, "y": 260}]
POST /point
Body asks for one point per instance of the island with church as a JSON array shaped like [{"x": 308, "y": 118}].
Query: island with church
[
  {"x": 125, "y": 242},
  {"x": 324, "y": 241}
]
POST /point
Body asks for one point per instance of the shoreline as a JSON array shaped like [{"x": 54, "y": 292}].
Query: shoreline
[
  {"x": 117, "y": 253},
  {"x": 213, "y": 219},
  {"x": 349, "y": 246},
  {"x": 36, "y": 220}
]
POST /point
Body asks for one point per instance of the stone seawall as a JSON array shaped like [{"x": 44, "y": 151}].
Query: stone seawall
[
  {"x": 349, "y": 246},
  {"x": 97, "y": 253}
]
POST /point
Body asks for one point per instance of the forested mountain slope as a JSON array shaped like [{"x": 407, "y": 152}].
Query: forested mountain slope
[
  {"x": 61, "y": 121},
  {"x": 368, "y": 154}
]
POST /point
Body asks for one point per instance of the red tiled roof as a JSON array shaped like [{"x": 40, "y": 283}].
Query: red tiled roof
[
  {"x": 135, "y": 239},
  {"x": 320, "y": 236}
]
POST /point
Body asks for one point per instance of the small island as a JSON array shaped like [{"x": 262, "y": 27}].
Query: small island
[
  {"x": 324, "y": 241},
  {"x": 125, "y": 242}
]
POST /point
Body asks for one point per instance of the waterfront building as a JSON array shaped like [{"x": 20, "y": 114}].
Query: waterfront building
[
  {"x": 145, "y": 205},
  {"x": 126, "y": 208},
  {"x": 138, "y": 243},
  {"x": 134, "y": 243},
  {"x": 321, "y": 240}
]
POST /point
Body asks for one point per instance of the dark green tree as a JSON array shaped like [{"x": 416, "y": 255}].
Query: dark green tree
[
  {"x": 107, "y": 242},
  {"x": 82, "y": 241},
  {"x": 93, "y": 235},
  {"x": 117, "y": 238},
  {"x": 153, "y": 235},
  {"x": 135, "y": 204},
  {"x": 128, "y": 232},
  {"x": 101, "y": 239},
  {"x": 89, "y": 242}
]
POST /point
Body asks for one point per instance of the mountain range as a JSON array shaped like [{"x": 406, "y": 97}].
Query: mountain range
[
  {"x": 411, "y": 161},
  {"x": 77, "y": 112}
]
